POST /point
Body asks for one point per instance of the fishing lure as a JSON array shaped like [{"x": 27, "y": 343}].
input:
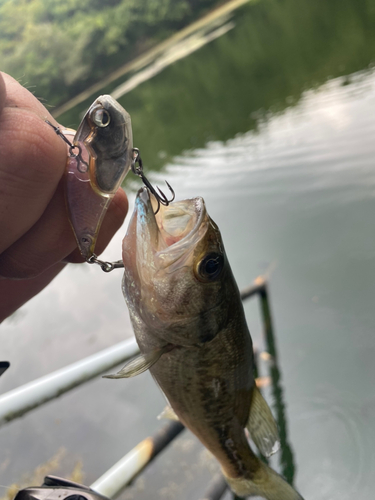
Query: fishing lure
[
  {"x": 100, "y": 156},
  {"x": 99, "y": 160}
]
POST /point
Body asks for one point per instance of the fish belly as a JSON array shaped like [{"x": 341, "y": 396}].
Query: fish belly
[{"x": 209, "y": 387}]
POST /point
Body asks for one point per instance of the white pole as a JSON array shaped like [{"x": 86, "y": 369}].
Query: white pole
[{"x": 15, "y": 403}]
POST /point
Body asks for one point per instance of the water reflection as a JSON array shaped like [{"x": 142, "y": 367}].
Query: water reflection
[
  {"x": 255, "y": 71},
  {"x": 175, "y": 53},
  {"x": 302, "y": 194},
  {"x": 286, "y": 458},
  {"x": 270, "y": 124},
  {"x": 261, "y": 67}
]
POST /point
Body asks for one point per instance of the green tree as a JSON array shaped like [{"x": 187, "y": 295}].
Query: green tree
[{"x": 60, "y": 46}]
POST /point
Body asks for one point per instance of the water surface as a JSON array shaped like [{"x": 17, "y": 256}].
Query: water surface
[{"x": 273, "y": 124}]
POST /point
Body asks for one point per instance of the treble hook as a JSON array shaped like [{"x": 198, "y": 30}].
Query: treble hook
[{"x": 137, "y": 168}]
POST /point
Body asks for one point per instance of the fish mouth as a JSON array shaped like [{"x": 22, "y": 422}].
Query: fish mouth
[{"x": 175, "y": 230}]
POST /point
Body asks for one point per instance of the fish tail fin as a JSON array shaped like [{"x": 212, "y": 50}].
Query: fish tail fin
[{"x": 265, "y": 483}]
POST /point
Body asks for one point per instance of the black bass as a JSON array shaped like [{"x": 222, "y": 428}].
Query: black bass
[{"x": 189, "y": 322}]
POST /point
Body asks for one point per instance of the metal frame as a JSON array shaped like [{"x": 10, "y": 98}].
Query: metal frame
[{"x": 17, "y": 402}]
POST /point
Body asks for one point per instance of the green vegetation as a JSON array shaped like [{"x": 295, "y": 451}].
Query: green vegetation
[
  {"x": 278, "y": 50},
  {"x": 59, "y": 47}
]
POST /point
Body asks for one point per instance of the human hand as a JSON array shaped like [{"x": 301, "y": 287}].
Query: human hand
[{"x": 36, "y": 240}]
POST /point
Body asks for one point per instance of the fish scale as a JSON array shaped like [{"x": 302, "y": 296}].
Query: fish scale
[{"x": 199, "y": 351}]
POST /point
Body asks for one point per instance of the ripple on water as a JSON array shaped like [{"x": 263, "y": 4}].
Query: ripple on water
[{"x": 336, "y": 461}]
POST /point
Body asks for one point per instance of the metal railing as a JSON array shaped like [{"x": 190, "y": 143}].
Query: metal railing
[{"x": 17, "y": 402}]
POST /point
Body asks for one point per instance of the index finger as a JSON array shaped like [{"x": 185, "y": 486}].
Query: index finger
[{"x": 32, "y": 160}]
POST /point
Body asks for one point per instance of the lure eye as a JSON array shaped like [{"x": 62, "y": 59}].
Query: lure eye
[
  {"x": 101, "y": 118},
  {"x": 210, "y": 267}
]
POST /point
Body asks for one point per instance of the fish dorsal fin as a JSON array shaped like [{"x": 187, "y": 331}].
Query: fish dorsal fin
[
  {"x": 262, "y": 426},
  {"x": 168, "y": 413},
  {"x": 140, "y": 363}
]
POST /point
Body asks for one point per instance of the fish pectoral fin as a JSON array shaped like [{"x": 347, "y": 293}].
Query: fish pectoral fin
[
  {"x": 139, "y": 364},
  {"x": 168, "y": 413},
  {"x": 262, "y": 425}
]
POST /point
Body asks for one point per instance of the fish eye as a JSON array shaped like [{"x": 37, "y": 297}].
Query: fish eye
[
  {"x": 101, "y": 118},
  {"x": 210, "y": 267}
]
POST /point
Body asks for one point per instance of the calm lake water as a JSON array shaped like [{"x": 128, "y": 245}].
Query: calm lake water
[{"x": 273, "y": 123}]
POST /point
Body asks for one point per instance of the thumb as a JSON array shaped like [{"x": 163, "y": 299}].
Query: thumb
[{"x": 3, "y": 93}]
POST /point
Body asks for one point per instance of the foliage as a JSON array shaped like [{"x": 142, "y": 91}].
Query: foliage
[
  {"x": 277, "y": 51},
  {"x": 60, "y": 46}
]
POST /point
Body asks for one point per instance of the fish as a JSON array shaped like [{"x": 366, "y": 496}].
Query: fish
[
  {"x": 99, "y": 160},
  {"x": 189, "y": 323}
]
